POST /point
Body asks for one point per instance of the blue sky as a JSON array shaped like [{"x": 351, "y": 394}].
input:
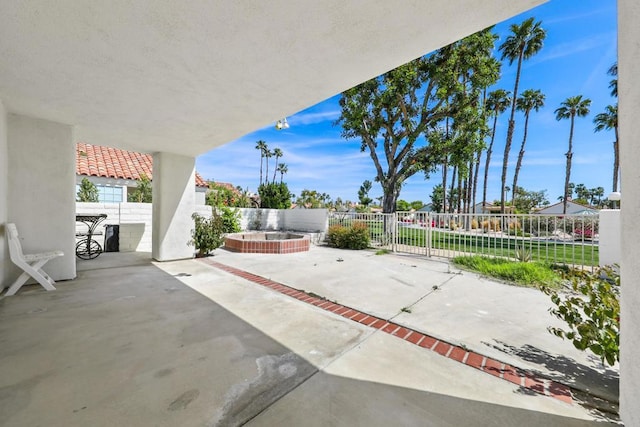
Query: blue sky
[{"x": 579, "y": 48}]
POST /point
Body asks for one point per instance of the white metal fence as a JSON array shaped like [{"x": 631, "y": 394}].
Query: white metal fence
[{"x": 566, "y": 239}]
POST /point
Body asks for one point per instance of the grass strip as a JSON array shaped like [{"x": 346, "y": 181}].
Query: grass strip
[{"x": 529, "y": 274}]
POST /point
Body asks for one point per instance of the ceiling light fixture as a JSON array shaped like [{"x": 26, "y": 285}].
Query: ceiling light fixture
[{"x": 282, "y": 124}]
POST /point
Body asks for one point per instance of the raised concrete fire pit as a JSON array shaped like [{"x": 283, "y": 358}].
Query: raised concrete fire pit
[{"x": 267, "y": 243}]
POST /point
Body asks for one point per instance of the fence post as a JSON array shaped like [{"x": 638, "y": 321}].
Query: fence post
[{"x": 427, "y": 237}]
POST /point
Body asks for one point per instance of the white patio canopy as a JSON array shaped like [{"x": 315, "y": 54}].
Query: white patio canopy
[{"x": 177, "y": 79}]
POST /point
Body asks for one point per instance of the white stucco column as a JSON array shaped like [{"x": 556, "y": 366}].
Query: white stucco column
[
  {"x": 629, "y": 111},
  {"x": 609, "y": 234},
  {"x": 41, "y": 190},
  {"x": 4, "y": 202},
  {"x": 173, "y": 205}
]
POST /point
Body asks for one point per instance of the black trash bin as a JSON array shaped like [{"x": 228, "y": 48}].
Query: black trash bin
[{"x": 112, "y": 238}]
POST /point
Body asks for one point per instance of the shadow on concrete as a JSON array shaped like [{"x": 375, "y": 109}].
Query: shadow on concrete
[
  {"x": 600, "y": 385},
  {"x": 132, "y": 345},
  {"x": 338, "y": 401}
]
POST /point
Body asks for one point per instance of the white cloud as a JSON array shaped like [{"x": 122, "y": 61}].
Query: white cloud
[
  {"x": 312, "y": 118},
  {"x": 574, "y": 46}
]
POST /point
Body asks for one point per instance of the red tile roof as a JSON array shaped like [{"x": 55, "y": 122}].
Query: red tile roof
[{"x": 107, "y": 162}]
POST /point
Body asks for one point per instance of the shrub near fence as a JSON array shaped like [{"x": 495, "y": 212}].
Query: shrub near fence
[{"x": 570, "y": 240}]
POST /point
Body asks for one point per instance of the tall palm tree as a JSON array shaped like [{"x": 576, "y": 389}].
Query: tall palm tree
[
  {"x": 282, "y": 168},
  {"x": 267, "y": 155},
  {"x": 277, "y": 153},
  {"x": 497, "y": 103},
  {"x": 524, "y": 42},
  {"x": 607, "y": 121},
  {"x": 530, "y": 100},
  {"x": 569, "y": 109},
  {"x": 262, "y": 146}
]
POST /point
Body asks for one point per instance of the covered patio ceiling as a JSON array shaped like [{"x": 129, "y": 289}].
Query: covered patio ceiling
[{"x": 185, "y": 77}]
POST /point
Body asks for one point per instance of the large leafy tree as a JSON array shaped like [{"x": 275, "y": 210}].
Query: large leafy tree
[
  {"x": 389, "y": 110},
  {"x": 392, "y": 113},
  {"x": 572, "y": 107},
  {"x": 460, "y": 142},
  {"x": 606, "y": 121},
  {"x": 497, "y": 103},
  {"x": 275, "y": 196},
  {"x": 531, "y": 100},
  {"x": 524, "y": 41},
  {"x": 524, "y": 200}
]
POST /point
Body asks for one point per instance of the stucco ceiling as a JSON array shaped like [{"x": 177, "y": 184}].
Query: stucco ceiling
[{"x": 185, "y": 77}]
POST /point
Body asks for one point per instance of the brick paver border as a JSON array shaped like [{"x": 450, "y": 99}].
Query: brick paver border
[{"x": 522, "y": 378}]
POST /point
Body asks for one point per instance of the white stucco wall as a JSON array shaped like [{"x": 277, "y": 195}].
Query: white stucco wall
[
  {"x": 629, "y": 103},
  {"x": 41, "y": 196},
  {"x": 173, "y": 205},
  {"x": 260, "y": 219},
  {"x": 310, "y": 220},
  {"x": 135, "y": 220},
  {"x": 4, "y": 177},
  {"x": 609, "y": 234}
]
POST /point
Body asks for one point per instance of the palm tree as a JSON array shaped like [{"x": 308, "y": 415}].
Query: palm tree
[
  {"x": 613, "y": 84},
  {"x": 282, "y": 168},
  {"x": 497, "y": 103},
  {"x": 569, "y": 109},
  {"x": 262, "y": 146},
  {"x": 524, "y": 42},
  {"x": 607, "y": 121},
  {"x": 530, "y": 100},
  {"x": 277, "y": 153},
  {"x": 267, "y": 155}
]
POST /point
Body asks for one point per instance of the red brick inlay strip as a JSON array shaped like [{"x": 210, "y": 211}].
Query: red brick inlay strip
[{"x": 491, "y": 366}]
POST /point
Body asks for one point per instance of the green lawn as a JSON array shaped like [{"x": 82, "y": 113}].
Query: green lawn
[
  {"x": 531, "y": 274},
  {"x": 570, "y": 253}
]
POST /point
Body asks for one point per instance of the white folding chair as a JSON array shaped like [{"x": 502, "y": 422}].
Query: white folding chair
[{"x": 31, "y": 264}]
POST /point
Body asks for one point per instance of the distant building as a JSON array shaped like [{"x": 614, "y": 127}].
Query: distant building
[
  {"x": 573, "y": 208},
  {"x": 426, "y": 208},
  {"x": 490, "y": 208},
  {"x": 116, "y": 172}
]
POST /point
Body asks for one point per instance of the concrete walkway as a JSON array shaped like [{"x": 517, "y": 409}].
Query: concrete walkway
[{"x": 137, "y": 346}]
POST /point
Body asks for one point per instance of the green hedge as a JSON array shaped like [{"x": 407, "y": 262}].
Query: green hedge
[{"x": 355, "y": 236}]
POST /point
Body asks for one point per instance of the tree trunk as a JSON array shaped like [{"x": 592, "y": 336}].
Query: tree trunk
[
  {"x": 469, "y": 186},
  {"x": 512, "y": 125},
  {"x": 261, "y": 159},
  {"x": 519, "y": 162},
  {"x": 488, "y": 161},
  {"x": 475, "y": 180},
  {"x": 444, "y": 185},
  {"x": 460, "y": 192},
  {"x": 454, "y": 174},
  {"x": 568, "y": 170},
  {"x": 389, "y": 199}
]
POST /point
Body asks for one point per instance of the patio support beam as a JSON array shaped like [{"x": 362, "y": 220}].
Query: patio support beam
[
  {"x": 5, "y": 263},
  {"x": 173, "y": 205},
  {"x": 629, "y": 100},
  {"x": 40, "y": 191}
]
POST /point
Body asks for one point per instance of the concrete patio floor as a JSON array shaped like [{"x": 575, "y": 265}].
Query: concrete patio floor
[{"x": 130, "y": 342}]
